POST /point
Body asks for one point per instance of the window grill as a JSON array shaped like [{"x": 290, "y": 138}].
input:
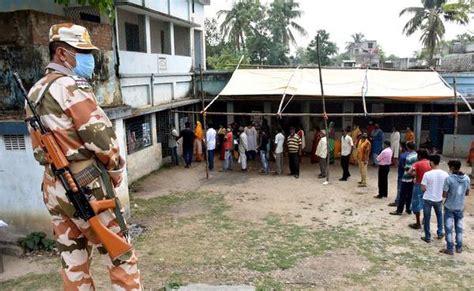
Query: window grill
[
  {"x": 164, "y": 119},
  {"x": 14, "y": 142},
  {"x": 138, "y": 131}
]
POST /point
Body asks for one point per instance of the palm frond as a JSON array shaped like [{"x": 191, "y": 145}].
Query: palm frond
[{"x": 299, "y": 28}]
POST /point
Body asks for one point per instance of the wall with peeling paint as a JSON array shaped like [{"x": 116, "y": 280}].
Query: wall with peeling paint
[{"x": 24, "y": 48}]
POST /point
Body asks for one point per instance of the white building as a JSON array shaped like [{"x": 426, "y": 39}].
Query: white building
[
  {"x": 161, "y": 45},
  {"x": 156, "y": 47}
]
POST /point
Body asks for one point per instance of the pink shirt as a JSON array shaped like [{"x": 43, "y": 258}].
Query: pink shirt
[{"x": 385, "y": 157}]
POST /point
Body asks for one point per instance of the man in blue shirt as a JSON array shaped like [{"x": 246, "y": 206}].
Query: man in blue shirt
[
  {"x": 401, "y": 170},
  {"x": 456, "y": 188}
]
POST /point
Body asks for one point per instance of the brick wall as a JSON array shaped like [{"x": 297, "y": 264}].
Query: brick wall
[{"x": 31, "y": 28}]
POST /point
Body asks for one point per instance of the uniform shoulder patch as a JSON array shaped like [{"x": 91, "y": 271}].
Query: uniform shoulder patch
[{"x": 81, "y": 83}]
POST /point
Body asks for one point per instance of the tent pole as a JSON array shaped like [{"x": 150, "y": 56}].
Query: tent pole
[
  {"x": 215, "y": 98},
  {"x": 455, "y": 117},
  {"x": 325, "y": 117},
  {"x": 284, "y": 92},
  {"x": 365, "y": 87},
  {"x": 204, "y": 119}
]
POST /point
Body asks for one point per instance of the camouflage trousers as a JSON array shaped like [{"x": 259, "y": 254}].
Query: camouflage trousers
[{"x": 75, "y": 241}]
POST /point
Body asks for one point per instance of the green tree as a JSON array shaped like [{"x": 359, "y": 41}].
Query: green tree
[
  {"x": 327, "y": 49},
  {"x": 357, "y": 39},
  {"x": 240, "y": 21},
  {"x": 282, "y": 15},
  {"x": 429, "y": 20},
  {"x": 104, "y": 6}
]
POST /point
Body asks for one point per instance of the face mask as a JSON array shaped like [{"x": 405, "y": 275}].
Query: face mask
[{"x": 84, "y": 64}]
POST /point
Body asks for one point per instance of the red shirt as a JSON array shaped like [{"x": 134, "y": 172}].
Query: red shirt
[
  {"x": 421, "y": 167},
  {"x": 228, "y": 141}
]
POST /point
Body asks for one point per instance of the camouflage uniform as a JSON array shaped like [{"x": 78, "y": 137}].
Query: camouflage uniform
[{"x": 84, "y": 133}]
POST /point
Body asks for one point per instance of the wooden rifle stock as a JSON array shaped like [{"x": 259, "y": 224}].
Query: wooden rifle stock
[
  {"x": 87, "y": 210},
  {"x": 115, "y": 248}
]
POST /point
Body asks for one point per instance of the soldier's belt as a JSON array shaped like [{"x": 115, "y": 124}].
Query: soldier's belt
[{"x": 87, "y": 175}]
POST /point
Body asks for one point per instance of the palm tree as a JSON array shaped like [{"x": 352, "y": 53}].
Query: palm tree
[
  {"x": 283, "y": 14},
  {"x": 357, "y": 39},
  {"x": 238, "y": 21},
  {"x": 429, "y": 20}
]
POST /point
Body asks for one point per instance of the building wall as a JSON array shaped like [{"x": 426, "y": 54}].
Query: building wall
[
  {"x": 180, "y": 9},
  {"x": 123, "y": 17},
  {"x": 158, "y": 5},
  {"x": 157, "y": 27},
  {"x": 458, "y": 62},
  {"x": 462, "y": 145},
  {"x": 25, "y": 49},
  {"x": 182, "y": 41}
]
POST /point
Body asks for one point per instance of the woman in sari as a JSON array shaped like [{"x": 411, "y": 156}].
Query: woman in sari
[
  {"x": 355, "y": 133},
  {"x": 332, "y": 142},
  {"x": 198, "y": 137}
]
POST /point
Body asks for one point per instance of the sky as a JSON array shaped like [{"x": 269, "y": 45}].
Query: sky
[{"x": 377, "y": 19}]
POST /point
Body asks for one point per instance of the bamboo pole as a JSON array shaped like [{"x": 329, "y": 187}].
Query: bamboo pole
[
  {"x": 284, "y": 92},
  {"x": 218, "y": 95},
  {"x": 455, "y": 135},
  {"x": 365, "y": 87},
  {"x": 204, "y": 120},
  {"x": 325, "y": 116},
  {"x": 398, "y": 114}
]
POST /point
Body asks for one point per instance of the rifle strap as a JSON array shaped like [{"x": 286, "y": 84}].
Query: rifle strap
[
  {"x": 38, "y": 101},
  {"x": 110, "y": 194}
]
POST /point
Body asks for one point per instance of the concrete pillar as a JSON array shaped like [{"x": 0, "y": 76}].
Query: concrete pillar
[
  {"x": 172, "y": 38},
  {"x": 306, "y": 119},
  {"x": 203, "y": 49},
  {"x": 147, "y": 34},
  {"x": 176, "y": 121},
  {"x": 122, "y": 190},
  {"x": 347, "y": 107},
  {"x": 191, "y": 47},
  {"x": 267, "y": 108},
  {"x": 417, "y": 127},
  {"x": 230, "y": 108}
]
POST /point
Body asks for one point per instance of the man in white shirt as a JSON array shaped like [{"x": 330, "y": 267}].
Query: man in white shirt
[
  {"x": 279, "y": 141},
  {"x": 173, "y": 145},
  {"x": 322, "y": 153},
  {"x": 211, "y": 145},
  {"x": 347, "y": 145},
  {"x": 432, "y": 187}
]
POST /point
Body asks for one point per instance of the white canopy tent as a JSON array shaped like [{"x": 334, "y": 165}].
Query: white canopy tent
[{"x": 403, "y": 85}]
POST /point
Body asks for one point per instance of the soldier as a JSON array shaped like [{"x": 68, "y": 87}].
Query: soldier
[{"x": 66, "y": 103}]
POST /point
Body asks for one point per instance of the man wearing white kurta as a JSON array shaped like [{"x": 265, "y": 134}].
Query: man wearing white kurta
[
  {"x": 243, "y": 147},
  {"x": 395, "y": 144}
]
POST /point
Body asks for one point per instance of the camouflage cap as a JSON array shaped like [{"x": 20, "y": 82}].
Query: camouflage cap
[{"x": 75, "y": 35}]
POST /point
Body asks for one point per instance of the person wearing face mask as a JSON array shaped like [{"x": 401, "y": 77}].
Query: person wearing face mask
[{"x": 66, "y": 103}]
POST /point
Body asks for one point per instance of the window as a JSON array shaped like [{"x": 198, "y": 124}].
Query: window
[
  {"x": 132, "y": 37},
  {"x": 14, "y": 142},
  {"x": 138, "y": 131},
  {"x": 370, "y": 45},
  {"x": 162, "y": 41},
  {"x": 356, "y": 51},
  {"x": 192, "y": 5}
]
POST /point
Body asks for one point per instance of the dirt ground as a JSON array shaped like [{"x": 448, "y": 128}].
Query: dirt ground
[{"x": 273, "y": 232}]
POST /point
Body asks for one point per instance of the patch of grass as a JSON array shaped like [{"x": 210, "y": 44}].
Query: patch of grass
[{"x": 50, "y": 281}]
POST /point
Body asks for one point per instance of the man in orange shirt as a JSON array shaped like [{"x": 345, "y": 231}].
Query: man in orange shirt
[
  {"x": 363, "y": 154},
  {"x": 409, "y": 135}
]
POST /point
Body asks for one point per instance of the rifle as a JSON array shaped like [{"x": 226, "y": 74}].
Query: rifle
[{"x": 87, "y": 210}]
